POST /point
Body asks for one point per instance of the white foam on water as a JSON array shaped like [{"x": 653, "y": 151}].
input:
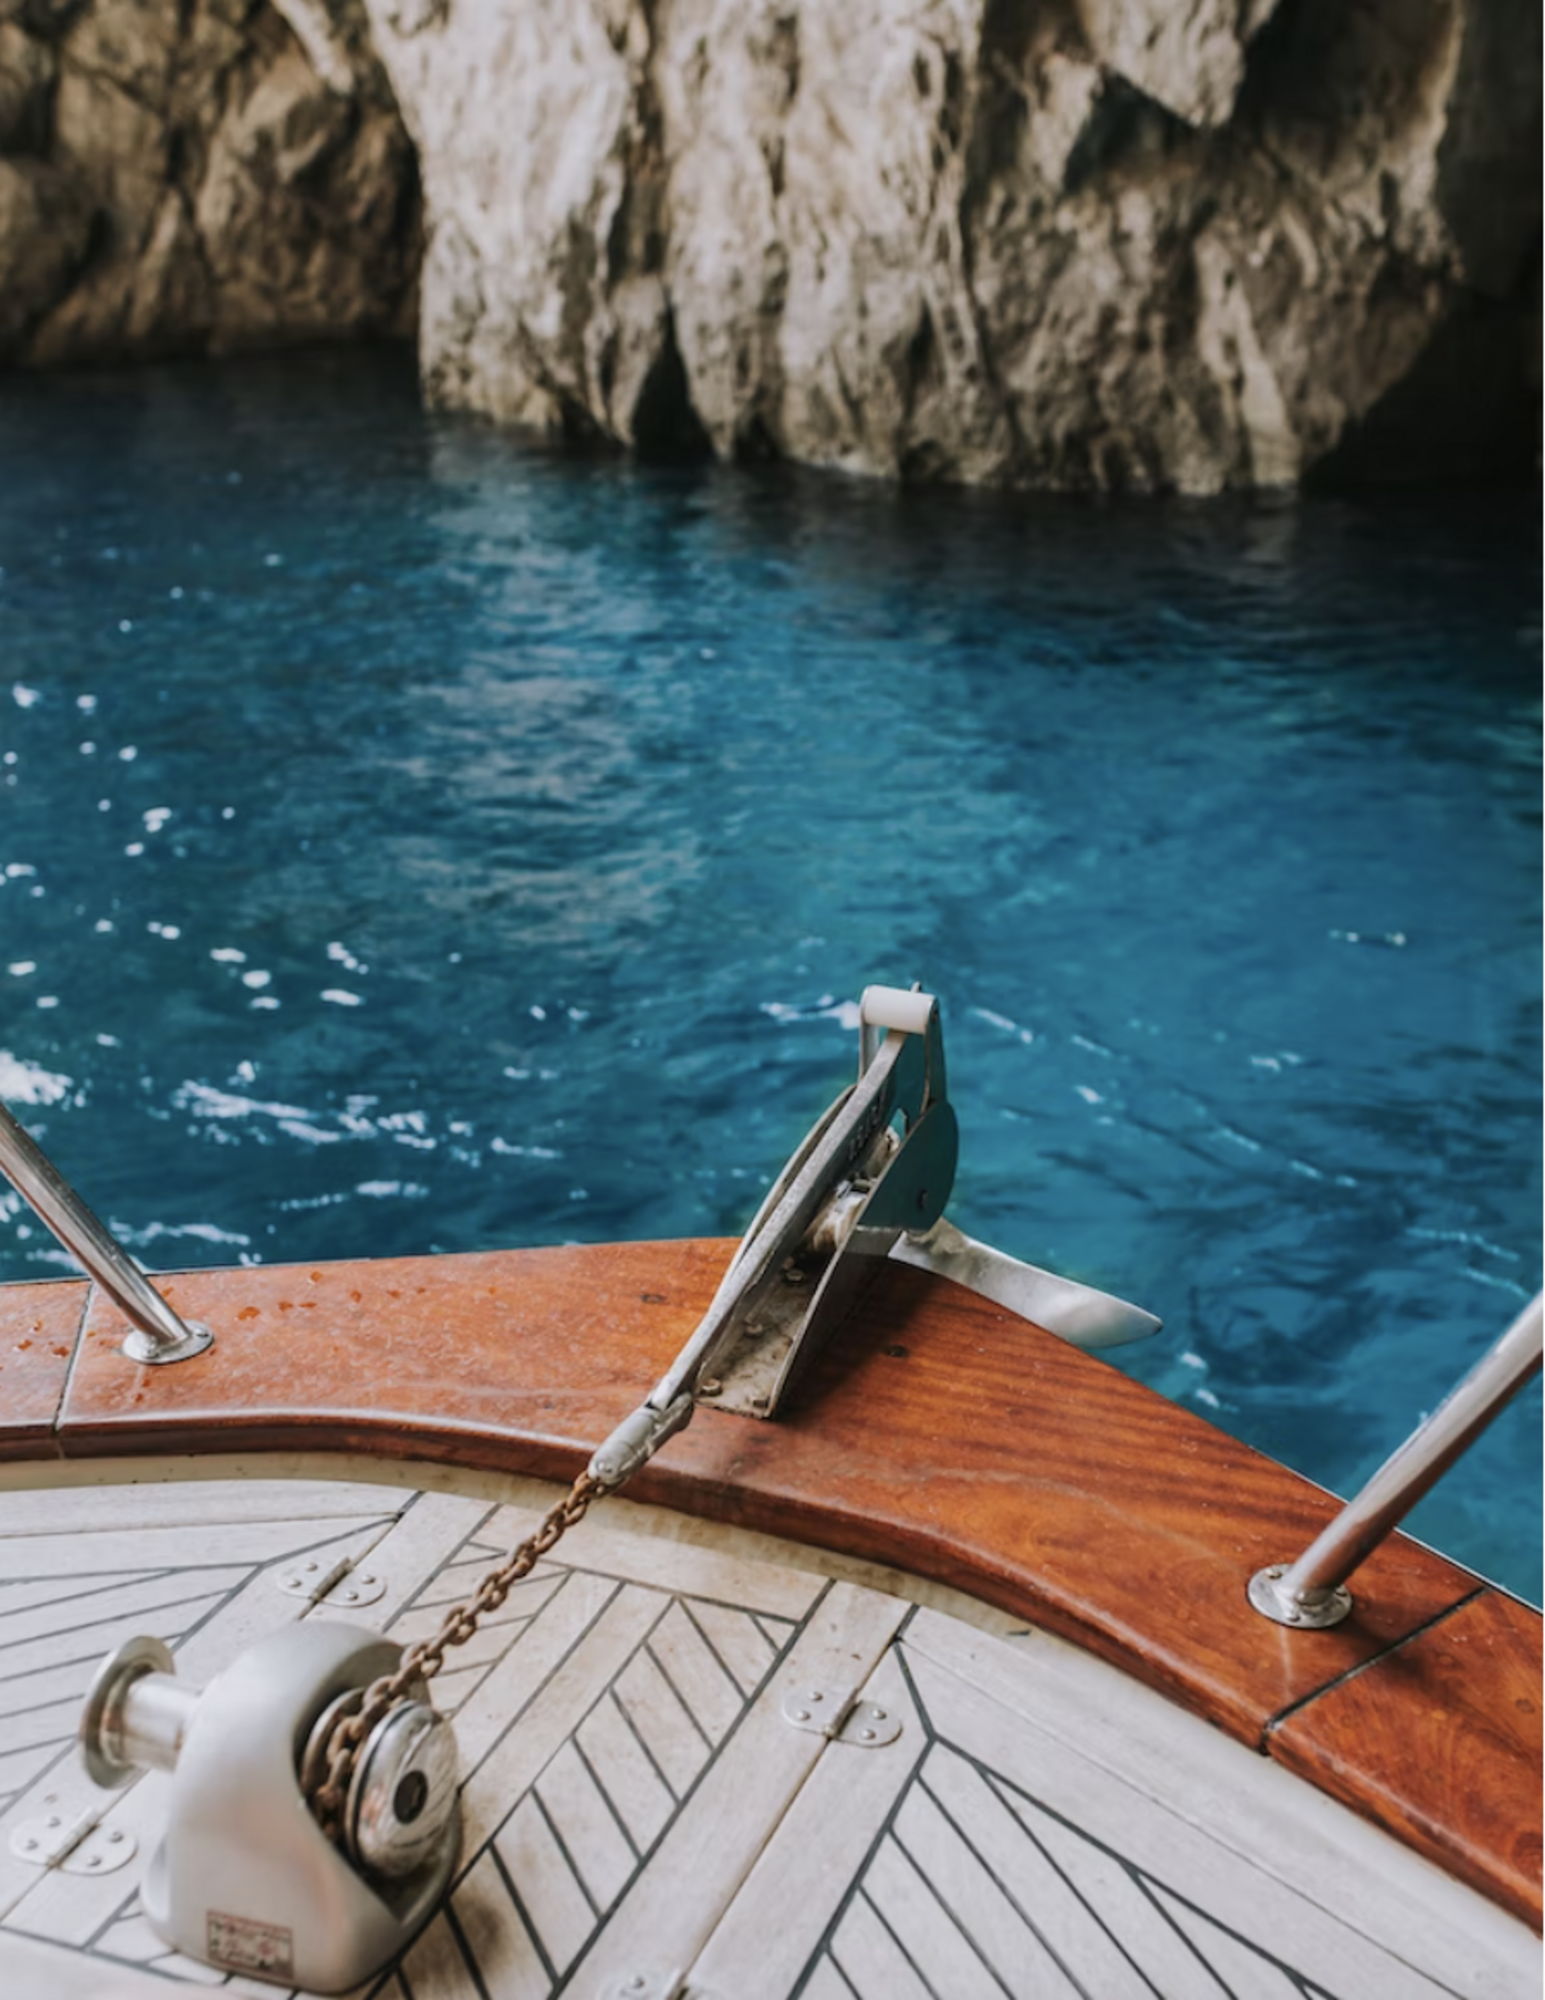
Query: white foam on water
[
  {"x": 24, "y": 1082},
  {"x": 204, "y": 1101},
  {"x": 1002, "y": 1021},
  {"x": 313, "y": 1135},
  {"x": 844, "y": 1012},
  {"x": 203, "y": 1232}
]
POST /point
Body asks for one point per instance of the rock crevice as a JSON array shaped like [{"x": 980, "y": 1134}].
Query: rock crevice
[{"x": 1086, "y": 244}]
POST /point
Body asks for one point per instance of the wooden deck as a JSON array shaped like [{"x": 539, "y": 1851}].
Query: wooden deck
[
  {"x": 638, "y": 1807},
  {"x": 946, "y": 1438}
]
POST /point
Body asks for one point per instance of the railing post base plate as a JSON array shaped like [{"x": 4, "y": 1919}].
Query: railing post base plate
[
  {"x": 151, "y": 1351},
  {"x": 1313, "y": 1614}
]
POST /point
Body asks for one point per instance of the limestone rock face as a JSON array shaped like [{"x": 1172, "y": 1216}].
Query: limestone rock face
[
  {"x": 197, "y": 174},
  {"x": 1100, "y": 244},
  {"x": 1070, "y": 243}
]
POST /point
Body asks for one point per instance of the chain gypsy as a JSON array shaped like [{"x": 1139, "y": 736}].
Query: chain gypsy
[{"x": 421, "y": 1662}]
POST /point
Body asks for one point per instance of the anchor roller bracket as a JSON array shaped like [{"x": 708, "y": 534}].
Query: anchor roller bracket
[{"x": 870, "y": 1181}]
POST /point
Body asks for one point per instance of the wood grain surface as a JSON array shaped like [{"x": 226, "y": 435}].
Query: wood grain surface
[
  {"x": 1440, "y": 1740},
  {"x": 39, "y": 1326},
  {"x": 942, "y": 1435}
]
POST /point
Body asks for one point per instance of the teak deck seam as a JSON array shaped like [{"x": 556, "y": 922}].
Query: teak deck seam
[
  {"x": 1350, "y": 1673},
  {"x": 944, "y": 1436}
]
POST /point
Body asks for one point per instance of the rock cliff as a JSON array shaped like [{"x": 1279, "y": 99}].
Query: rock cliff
[
  {"x": 184, "y": 175},
  {"x": 1068, "y": 243}
]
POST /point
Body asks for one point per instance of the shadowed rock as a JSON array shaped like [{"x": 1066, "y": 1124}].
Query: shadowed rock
[{"x": 203, "y": 176}]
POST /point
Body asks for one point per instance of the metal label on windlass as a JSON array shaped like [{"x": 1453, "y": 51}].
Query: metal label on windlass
[{"x": 246, "y": 1944}]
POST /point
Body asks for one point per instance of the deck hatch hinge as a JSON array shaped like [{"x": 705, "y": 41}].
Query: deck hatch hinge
[
  {"x": 840, "y": 1714},
  {"x": 81, "y": 1846},
  {"x": 337, "y": 1584}
]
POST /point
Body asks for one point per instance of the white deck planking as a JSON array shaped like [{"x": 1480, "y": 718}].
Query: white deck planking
[{"x": 635, "y": 1802}]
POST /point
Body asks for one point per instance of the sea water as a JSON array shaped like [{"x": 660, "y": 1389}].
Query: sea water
[{"x": 415, "y": 840}]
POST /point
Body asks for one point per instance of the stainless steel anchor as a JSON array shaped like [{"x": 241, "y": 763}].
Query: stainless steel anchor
[
  {"x": 869, "y": 1181},
  {"x": 244, "y": 1878}
]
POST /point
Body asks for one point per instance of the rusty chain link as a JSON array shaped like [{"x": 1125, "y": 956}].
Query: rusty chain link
[{"x": 423, "y": 1660}]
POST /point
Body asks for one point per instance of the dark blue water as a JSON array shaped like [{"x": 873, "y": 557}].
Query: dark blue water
[{"x": 413, "y": 841}]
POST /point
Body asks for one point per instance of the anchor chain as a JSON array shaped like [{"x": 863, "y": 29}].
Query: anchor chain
[
  {"x": 905, "y": 1077},
  {"x": 353, "y": 1725}
]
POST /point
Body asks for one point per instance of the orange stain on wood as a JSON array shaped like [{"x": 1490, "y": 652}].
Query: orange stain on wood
[{"x": 38, "y": 1325}]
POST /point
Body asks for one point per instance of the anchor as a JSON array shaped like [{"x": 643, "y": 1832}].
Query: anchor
[
  {"x": 313, "y": 1823},
  {"x": 869, "y": 1182}
]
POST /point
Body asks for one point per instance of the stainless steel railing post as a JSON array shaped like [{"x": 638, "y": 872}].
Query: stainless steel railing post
[
  {"x": 1312, "y": 1591},
  {"x": 159, "y": 1333}
]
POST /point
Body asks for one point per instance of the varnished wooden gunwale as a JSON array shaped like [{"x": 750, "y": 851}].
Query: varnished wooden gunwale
[
  {"x": 946, "y": 1437},
  {"x": 1429, "y": 1724}
]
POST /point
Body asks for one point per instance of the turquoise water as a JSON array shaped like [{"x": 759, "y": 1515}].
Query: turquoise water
[{"x": 413, "y": 841}]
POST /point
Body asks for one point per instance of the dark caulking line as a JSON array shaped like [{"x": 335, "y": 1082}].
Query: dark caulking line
[{"x": 1362, "y": 1666}]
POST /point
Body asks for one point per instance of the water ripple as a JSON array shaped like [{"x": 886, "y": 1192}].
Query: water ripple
[{"x": 502, "y": 863}]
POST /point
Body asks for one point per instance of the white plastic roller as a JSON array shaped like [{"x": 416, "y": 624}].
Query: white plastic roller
[
  {"x": 896, "y": 1007},
  {"x": 883, "y": 1008}
]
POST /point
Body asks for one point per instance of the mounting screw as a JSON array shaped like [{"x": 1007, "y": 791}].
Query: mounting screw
[{"x": 711, "y": 1387}]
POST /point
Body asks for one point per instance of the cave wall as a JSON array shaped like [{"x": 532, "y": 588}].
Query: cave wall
[
  {"x": 198, "y": 175},
  {"x": 1085, "y": 244}
]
